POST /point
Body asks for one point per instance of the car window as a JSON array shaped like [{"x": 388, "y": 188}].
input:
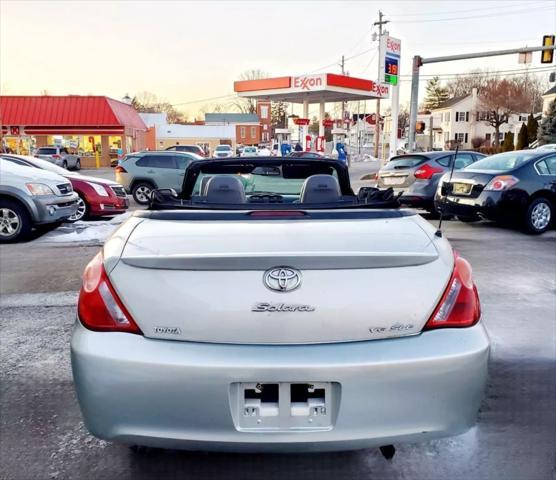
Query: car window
[
  {"x": 444, "y": 161},
  {"x": 463, "y": 160},
  {"x": 16, "y": 161},
  {"x": 405, "y": 161},
  {"x": 182, "y": 162},
  {"x": 542, "y": 167},
  {"x": 223, "y": 148},
  {"x": 172, "y": 148},
  {"x": 156, "y": 161},
  {"x": 504, "y": 161},
  {"x": 46, "y": 151},
  {"x": 551, "y": 164}
]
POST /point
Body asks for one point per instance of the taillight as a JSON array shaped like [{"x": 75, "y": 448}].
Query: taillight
[
  {"x": 99, "y": 307},
  {"x": 426, "y": 172},
  {"x": 460, "y": 305},
  {"x": 56, "y": 156},
  {"x": 120, "y": 169},
  {"x": 501, "y": 182}
]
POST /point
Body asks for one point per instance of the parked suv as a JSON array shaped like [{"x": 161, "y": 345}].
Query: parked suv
[
  {"x": 417, "y": 175},
  {"x": 30, "y": 197},
  {"x": 59, "y": 156},
  {"x": 223, "y": 151},
  {"x": 97, "y": 197},
  {"x": 196, "y": 149},
  {"x": 141, "y": 172}
]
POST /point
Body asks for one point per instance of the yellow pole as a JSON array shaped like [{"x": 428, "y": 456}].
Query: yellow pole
[{"x": 97, "y": 159}]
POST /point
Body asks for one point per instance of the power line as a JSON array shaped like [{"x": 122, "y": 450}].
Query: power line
[
  {"x": 203, "y": 100},
  {"x": 490, "y": 75},
  {"x": 450, "y": 19},
  {"x": 456, "y": 12}
]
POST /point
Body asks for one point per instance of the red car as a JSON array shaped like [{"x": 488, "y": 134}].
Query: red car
[{"x": 97, "y": 197}]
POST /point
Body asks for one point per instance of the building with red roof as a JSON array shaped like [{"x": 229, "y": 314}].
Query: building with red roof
[{"x": 89, "y": 125}]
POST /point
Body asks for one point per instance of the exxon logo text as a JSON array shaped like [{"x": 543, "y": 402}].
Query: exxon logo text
[{"x": 307, "y": 83}]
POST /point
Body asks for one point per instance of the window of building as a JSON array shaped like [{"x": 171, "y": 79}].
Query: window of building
[
  {"x": 482, "y": 116},
  {"x": 446, "y": 116},
  {"x": 462, "y": 116},
  {"x": 253, "y": 132},
  {"x": 446, "y": 137},
  {"x": 264, "y": 111},
  {"x": 242, "y": 132},
  {"x": 461, "y": 137},
  {"x": 501, "y": 136}
]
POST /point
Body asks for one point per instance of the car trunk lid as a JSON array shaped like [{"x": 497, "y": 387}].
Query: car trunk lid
[
  {"x": 467, "y": 183},
  {"x": 205, "y": 280}
]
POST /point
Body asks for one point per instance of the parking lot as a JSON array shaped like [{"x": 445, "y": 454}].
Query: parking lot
[{"x": 42, "y": 434}]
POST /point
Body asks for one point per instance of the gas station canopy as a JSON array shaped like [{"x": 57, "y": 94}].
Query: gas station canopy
[{"x": 325, "y": 87}]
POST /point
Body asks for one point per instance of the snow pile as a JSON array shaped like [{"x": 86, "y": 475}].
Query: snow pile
[{"x": 90, "y": 232}]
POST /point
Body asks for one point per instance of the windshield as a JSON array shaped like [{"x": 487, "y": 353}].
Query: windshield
[
  {"x": 406, "y": 161},
  {"x": 223, "y": 148},
  {"x": 503, "y": 161}
]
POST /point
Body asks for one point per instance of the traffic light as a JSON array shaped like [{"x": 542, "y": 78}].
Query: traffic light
[{"x": 547, "y": 56}]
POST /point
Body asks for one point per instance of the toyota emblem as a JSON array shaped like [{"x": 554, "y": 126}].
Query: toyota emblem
[{"x": 282, "y": 279}]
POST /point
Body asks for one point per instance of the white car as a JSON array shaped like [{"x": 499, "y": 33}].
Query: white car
[
  {"x": 223, "y": 151},
  {"x": 548, "y": 146},
  {"x": 277, "y": 311},
  {"x": 264, "y": 151},
  {"x": 249, "y": 152}
]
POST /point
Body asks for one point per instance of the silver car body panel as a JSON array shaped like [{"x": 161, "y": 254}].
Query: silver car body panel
[
  {"x": 352, "y": 275},
  {"x": 171, "y": 394}
]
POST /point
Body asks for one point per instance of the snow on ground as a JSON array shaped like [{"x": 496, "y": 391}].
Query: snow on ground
[{"x": 84, "y": 231}]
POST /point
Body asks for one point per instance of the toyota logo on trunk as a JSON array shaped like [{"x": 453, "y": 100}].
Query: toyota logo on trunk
[{"x": 282, "y": 279}]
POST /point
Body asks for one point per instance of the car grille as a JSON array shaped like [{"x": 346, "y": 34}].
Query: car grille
[
  {"x": 65, "y": 188},
  {"x": 119, "y": 191}
]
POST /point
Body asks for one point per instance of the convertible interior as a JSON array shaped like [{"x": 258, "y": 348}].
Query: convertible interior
[{"x": 270, "y": 183}]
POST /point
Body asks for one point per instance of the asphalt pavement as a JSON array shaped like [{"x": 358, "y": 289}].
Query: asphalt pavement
[{"x": 42, "y": 434}]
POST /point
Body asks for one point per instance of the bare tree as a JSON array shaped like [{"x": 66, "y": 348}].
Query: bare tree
[
  {"x": 148, "y": 102},
  {"x": 464, "y": 84},
  {"x": 500, "y": 99},
  {"x": 248, "y": 105}
]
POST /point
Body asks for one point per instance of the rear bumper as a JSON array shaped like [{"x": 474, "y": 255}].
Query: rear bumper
[
  {"x": 178, "y": 394},
  {"x": 497, "y": 206}
]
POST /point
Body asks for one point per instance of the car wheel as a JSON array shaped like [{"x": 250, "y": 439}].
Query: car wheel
[
  {"x": 65, "y": 164},
  {"x": 539, "y": 216},
  {"x": 142, "y": 193},
  {"x": 468, "y": 219},
  {"x": 78, "y": 164},
  {"x": 81, "y": 212},
  {"x": 15, "y": 222}
]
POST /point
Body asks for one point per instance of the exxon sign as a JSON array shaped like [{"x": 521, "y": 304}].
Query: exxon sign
[{"x": 308, "y": 83}]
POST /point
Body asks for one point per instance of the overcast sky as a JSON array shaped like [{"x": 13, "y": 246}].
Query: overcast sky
[{"x": 190, "y": 51}]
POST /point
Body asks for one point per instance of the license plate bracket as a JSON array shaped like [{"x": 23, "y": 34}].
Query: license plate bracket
[
  {"x": 284, "y": 406},
  {"x": 393, "y": 180}
]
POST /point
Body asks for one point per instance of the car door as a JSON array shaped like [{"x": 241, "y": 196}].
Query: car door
[
  {"x": 181, "y": 162},
  {"x": 546, "y": 168},
  {"x": 161, "y": 168}
]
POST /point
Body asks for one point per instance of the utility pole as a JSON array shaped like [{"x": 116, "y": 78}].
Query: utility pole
[
  {"x": 377, "y": 125},
  {"x": 343, "y": 64}
]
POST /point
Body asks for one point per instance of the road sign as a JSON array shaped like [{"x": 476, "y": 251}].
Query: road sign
[{"x": 547, "y": 56}]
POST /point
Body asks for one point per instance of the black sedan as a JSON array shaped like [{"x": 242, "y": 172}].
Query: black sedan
[
  {"x": 514, "y": 187},
  {"x": 416, "y": 175}
]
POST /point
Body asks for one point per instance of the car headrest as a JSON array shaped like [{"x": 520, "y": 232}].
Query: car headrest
[
  {"x": 320, "y": 189},
  {"x": 203, "y": 185},
  {"x": 225, "y": 190}
]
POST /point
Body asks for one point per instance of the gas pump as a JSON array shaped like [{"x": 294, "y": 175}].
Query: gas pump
[
  {"x": 339, "y": 136},
  {"x": 283, "y": 137}
]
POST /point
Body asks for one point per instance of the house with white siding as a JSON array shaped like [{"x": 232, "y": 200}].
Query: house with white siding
[{"x": 461, "y": 119}]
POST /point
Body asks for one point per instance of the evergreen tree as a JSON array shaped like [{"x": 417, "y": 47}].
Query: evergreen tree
[
  {"x": 522, "y": 138},
  {"x": 435, "y": 94},
  {"x": 532, "y": 127},
  {"x": 547, "y": 128},
  {"x": 508, "y": 144}
]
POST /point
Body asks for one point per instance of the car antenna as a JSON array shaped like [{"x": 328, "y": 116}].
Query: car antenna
[{"x": 438, "y": 232}]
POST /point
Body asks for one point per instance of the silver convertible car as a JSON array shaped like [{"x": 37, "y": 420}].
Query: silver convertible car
[{"x": 269, "y": 308}]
